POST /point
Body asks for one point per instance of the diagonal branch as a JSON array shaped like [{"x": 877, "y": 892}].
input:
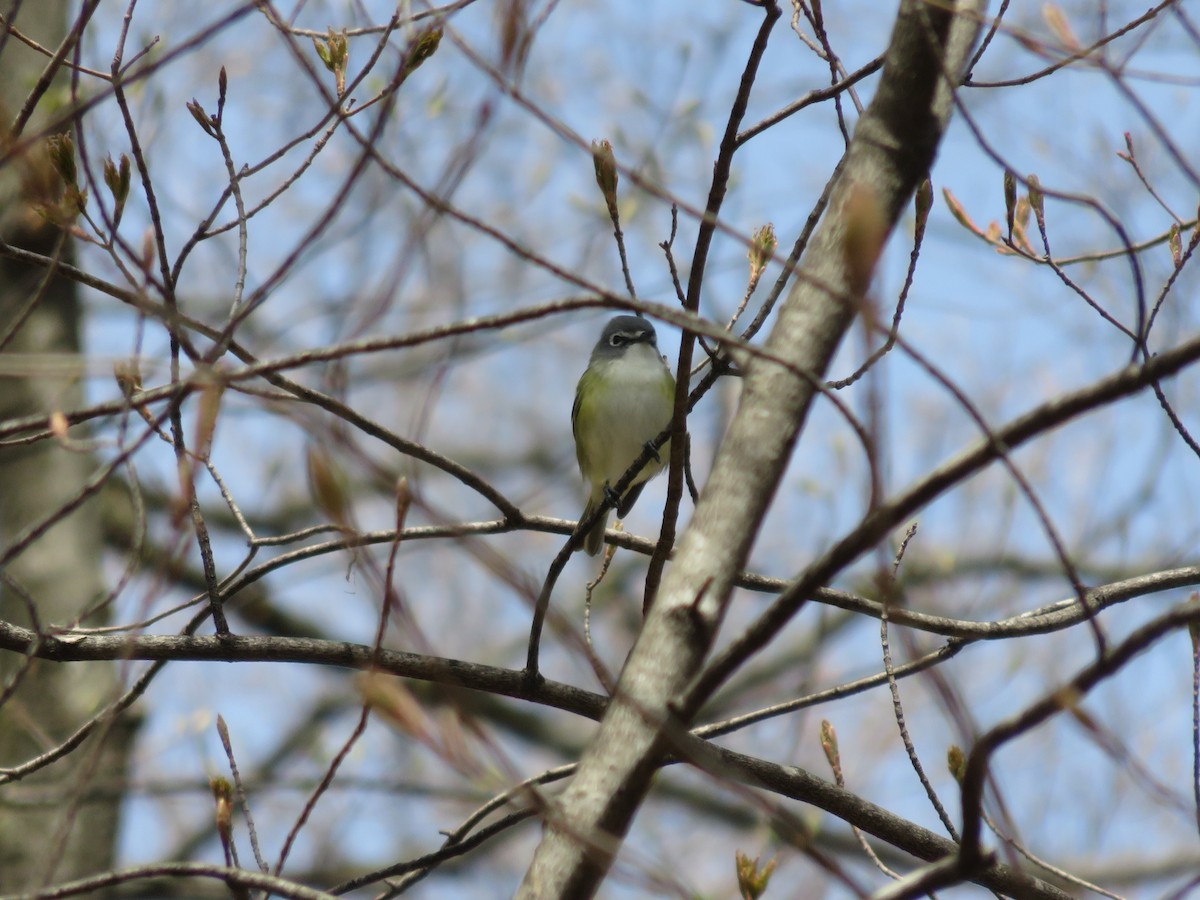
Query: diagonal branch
[{"x": 891, "y": 151}]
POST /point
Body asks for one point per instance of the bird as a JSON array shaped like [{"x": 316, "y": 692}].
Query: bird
[{"x": 625, "y": 398}]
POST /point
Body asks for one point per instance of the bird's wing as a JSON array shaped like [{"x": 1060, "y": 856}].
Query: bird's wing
[{"x": 576, "y": 409}]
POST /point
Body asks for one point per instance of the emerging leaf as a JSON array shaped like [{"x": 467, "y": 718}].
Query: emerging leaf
[
  {"x": 202, "y": 118},
  {"x": 422, "y": 48},
  {"x": 762, "y": 248},
  {"x": 752, "y": 881},
  {"x": 61, "y": 150}
]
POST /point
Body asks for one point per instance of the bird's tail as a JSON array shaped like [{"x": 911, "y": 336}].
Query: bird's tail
[{"x": 593, "y": 543}]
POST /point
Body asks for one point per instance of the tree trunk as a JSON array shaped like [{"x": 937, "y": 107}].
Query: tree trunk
[{"x": 61, "y": 820}]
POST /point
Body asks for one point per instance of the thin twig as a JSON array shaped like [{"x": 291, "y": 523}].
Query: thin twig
[{"x": 894, "y": 688}]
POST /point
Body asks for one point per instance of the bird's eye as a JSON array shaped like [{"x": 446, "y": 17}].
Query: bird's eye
[{"x": 617, "y": 340}]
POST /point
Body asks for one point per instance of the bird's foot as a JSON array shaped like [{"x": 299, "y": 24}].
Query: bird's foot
[{"x": 613, "y": 498}]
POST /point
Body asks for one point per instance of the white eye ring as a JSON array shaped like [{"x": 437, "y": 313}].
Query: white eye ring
[{"x": 616, "y": 340}]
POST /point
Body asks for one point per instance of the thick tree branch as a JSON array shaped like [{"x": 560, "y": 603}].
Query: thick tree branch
[
  {"x": 892, "y": 149},
  {"x": 235, "y": 648}
]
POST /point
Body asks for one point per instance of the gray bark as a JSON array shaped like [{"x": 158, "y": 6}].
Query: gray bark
[
  {"x": 51, "y": 825},
  {"x": 891, "y": 151}
]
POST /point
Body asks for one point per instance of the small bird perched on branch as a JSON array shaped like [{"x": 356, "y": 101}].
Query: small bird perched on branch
[{"x": 623, "y": 401}]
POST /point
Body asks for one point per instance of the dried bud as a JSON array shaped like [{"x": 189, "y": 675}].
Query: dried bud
[
  {"x": 762, "y": 248},
  {"x": 515, "y": 34},
  {"x": 59, "y": 425},
  {"x": 960, "y": 214},
  {"x": 206, "y": 413},
  {"x": 1054, "y": 17},
  {"x": 605, "y": 164},
  {"x": 1175, "y": 242},
  {"x": 454, "y": 745},
  {"x": 422, "y": 48},
  {"x": 327, "y": 483},
  {"x": 149, "y": 245},
  {"x": 389, "y": 697},
  {"x": 129, "y": 380}
]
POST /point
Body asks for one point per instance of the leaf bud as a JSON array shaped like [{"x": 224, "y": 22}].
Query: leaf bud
[
  {"x": 752, "y": 881},
  {"x": 956, "y": 762},
  {"x": 422, "y": 48},
  {"x": 202, "y": 118},
  {"x": 1036, "y": 199},
  {"x": 605, "y": 164},
  {"x": 762, "y": 248},
  {"x": 116, "y": 176},
  {"x": 61, "y": 150},
  {"x": 1010, "y": 200}
]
